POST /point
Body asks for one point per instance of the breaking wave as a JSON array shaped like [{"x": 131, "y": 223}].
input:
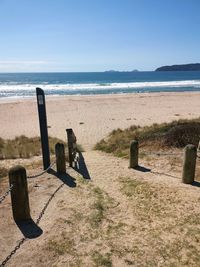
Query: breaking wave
[{"x": 12, "y": 89}]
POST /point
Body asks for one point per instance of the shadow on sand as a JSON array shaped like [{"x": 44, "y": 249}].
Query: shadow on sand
[
  {"x": 195, "y": 183},
  {"x": 65, "y": 178},
  {"x": 142, "y": 169},
  {"x": 81, "y": 167},
  {"x": 29, "y": 229}
]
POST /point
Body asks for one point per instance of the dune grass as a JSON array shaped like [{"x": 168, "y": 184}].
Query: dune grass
[
  {"x": 24, "y": 147},
  {"x": 175, "y": 134}
]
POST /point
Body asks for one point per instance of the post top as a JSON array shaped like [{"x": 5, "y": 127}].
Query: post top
[
  {"x": 190, "y": 147},
  {"x": 17, "y": 169},
  {"x": 134, "y": 142},
  {"x": 39, "y": 91}
]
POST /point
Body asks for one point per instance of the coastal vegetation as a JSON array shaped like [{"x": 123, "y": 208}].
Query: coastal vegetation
[
  {"x": 176, "y": 134},
  {"x": 24, "y": 147},
  {"x": 183, "y": 67}
]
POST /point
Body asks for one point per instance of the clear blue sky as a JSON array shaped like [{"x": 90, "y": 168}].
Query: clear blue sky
[{"x": 97, "y": 35}]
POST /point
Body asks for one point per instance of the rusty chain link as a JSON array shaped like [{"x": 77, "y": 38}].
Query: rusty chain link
[
  {"x": 6, "y": 194},
  {"x": 37, "y": 222},
  {"x": 40, "y": 174}
]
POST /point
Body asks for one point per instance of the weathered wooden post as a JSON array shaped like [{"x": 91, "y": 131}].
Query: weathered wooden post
[
  {"x": 60, "y": 158},
  {"x": 43, "y": 127},
  {"x": 189, "y": 164},
  {"x": 133, "y": 154},
  {"x": 70, "y": 146},
  {"x": 198, "y": 146},
  {"x": 198, "y": 149},
  {"x": 19, "y": 194}
]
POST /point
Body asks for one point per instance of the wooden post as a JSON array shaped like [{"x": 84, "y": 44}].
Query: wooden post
[
  {"x": 198, "y": 146},
  {"x": 189, "y": 164},
  {"x": 198, "y": 149},
  {"x": 60, "y": 158},
  {"x": 19, "y": 194},
  {"x": 133, "y": 154},
  {"x": 43, "y": 127},
  {"x": 70, "y": 146}
]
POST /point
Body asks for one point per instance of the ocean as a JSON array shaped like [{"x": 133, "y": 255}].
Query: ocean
[{"x": 20, "y": 85}]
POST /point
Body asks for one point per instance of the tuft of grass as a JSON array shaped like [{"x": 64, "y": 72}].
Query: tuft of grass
[
  {"x": 175, "y": 134},
  {"x": 102, "y": 260},
  {"x": 101, "y": 204},
  {"x": 134, "y": 187},
  {"x": 98, "y": 208},
  {"x": 24, "y": 147},
  {"x": 66, "y": 245}
]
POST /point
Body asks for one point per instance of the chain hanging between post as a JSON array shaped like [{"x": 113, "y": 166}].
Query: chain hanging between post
[
  {"x": 46, "y": 205},
  {"x": 43, "y": 172},
  {"x": 162, "y": 153},
  {"x": 6, "y": 194},
  {"x": 37, "y": 222}
]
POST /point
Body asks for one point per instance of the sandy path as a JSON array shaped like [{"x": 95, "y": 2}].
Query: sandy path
[
  {"x": 93, "y": 117},
  {"x": 132, "y": 232}
]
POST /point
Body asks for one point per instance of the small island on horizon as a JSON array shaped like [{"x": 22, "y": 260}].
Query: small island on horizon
[
  {"x": 180, "y": 67},
  {"x": 122, "y": 70}
]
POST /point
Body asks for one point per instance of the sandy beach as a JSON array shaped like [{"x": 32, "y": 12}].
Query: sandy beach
[
  {"x": 117, "y": 211},
  {"x": 93, "y": 117}
]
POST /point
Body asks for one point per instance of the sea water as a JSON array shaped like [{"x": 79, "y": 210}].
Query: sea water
[{"x": 14, "y": 85}]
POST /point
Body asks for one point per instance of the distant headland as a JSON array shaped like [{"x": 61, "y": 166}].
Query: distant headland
[
  {"x": 121, "y": 71},
  {"x": 182, "y": 67}
]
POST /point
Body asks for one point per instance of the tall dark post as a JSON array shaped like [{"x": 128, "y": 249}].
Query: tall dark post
[
  {"x": 19, "y": 194},
  {"x": 133, "y": 163},
  {"x": 43, "y": 127},
  {"x": 70, "y": 146}
]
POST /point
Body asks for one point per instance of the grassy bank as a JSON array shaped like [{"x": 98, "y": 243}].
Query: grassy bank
[
  {"x": 24, "y": 147},
  {"x": 176, "y": 134}
]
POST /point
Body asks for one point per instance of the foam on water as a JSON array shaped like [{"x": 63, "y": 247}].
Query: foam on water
[
  {"x": 11, "y": 86},
  {"x": 11, "y": 89}
]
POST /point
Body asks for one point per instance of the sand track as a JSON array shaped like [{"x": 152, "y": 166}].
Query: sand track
[{"x": 95, "y": 223}]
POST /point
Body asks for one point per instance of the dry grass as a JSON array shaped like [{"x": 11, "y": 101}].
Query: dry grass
[
  {"x": 24, "y": 147},
  {"x": 102, "y": 260},
  {"x": 157, "y": 228},
  {"x": 99, "y": 207},
  {"x": 176, "y": 134}
]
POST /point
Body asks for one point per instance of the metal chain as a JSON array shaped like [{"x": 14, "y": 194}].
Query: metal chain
[
  {"x": 13, "y": 251},
  {"x": 37, "y": 222},
  {"x": 46, "y": 205},
  {"x": 6, "y": 194},
  {"x": 37, "y": 175},
  {"x": 162, "y": 154}
]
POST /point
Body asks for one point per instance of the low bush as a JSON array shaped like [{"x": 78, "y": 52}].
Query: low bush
[{"x": 176, "y": 134}]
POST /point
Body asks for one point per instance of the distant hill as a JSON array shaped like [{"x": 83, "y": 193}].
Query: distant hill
[
  {"x": 121, "y": 71},
  {"x": 183, "y": 67}
]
